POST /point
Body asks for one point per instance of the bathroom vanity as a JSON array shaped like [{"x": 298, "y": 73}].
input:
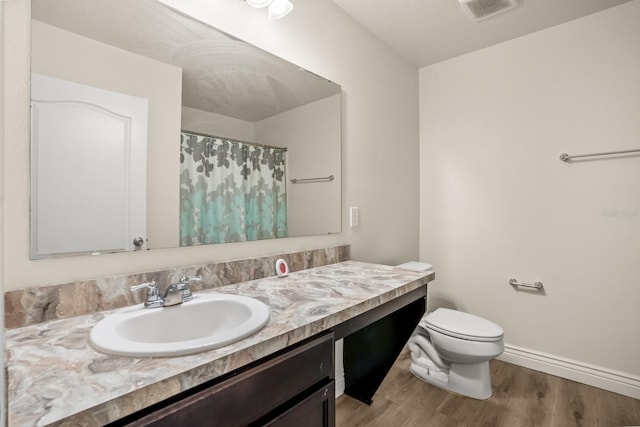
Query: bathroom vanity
[
  {"x": 294, "y": 384},
  {"x": 281, "y": 374}
]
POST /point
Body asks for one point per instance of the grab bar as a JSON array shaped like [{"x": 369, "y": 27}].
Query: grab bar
[
  {"x": 565, "y": 157},
  {"x": 536, "y": 285},
  {"x": 320, "y": 179}
]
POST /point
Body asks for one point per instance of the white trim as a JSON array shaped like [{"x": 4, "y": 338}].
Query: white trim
[
  {"x": 340, "y": 385},
  {"x": 597, "y": 376},
  {"x": 339, "y": 373}
]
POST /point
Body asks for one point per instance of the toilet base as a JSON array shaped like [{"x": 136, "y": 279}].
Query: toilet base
[{"x": 473, "y": 380}]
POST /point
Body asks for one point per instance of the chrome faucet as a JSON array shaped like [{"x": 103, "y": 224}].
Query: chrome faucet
[
  {"x": 153, "y": 294},
  {"x": 176, "y": 293}
]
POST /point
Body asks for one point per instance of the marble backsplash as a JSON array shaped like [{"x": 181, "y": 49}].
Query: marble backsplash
[{"x": 30, "y": 306}]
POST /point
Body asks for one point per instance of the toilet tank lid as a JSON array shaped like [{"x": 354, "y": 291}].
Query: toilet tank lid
[
  {"x": 463, "y": 325},
  {"x": 415, "y": 265}
]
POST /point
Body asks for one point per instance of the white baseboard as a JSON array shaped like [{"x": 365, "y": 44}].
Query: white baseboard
[
  {"x": 607, "y": 379},
  {"x": 340, "y": 384}
]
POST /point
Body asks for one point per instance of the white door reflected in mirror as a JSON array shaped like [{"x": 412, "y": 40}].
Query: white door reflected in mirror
[{"x": 89, "y": 153}]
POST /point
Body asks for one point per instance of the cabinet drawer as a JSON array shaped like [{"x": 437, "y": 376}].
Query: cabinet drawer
[
  {"x": 246, "y": 397},
  {"x": 317, "y": 410}
]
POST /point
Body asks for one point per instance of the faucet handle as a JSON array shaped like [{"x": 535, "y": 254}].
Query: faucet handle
[
  {"x": 186, "y": 293},
  {"x": 150, "y": 285},
  {"x": 153, "y": 294}
]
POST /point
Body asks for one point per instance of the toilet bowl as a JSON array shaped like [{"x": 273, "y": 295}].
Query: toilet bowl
[{"x": 451, "y": 350}]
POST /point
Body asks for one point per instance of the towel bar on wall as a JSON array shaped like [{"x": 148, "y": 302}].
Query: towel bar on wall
[
  {"x": 536, "y": 285},
  {"x": 320, "y": 179},
  {"x": 565, "y": 157}
]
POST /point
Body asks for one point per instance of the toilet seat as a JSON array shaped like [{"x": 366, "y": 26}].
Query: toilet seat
[{"x": 462, "y": 325}]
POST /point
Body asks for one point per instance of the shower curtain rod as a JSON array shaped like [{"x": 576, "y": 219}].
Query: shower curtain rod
[
  {"x": 235, "y": 140},
  {"x": 565, "y": 157}
]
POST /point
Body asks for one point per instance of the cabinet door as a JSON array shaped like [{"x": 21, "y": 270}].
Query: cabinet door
[
  {"x": 246, "y": 398},
  {"x": 317, "y": 410}
]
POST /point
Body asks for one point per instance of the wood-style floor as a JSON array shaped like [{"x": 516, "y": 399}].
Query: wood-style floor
[{"x": 521, "y": 397}]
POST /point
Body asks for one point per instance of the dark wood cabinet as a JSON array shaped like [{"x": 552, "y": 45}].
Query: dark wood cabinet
[
  {"x": 292, "y": 388},
  {"x": 317, "y": 410}
]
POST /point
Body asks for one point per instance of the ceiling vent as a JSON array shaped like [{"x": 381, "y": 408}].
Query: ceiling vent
[{"x": 479, "y": 10}]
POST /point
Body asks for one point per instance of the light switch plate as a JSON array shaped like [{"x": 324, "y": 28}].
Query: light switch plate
[{"x": 354, "y": 217}]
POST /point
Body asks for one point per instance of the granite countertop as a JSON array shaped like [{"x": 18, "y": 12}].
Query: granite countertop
[{"x": 56, "y": 378}]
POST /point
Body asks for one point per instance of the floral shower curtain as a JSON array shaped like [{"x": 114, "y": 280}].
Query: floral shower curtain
[{"x": 230, "y": 191}]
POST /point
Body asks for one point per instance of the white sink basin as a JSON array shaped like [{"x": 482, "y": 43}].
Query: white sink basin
[{"x": 206, "y": 322}]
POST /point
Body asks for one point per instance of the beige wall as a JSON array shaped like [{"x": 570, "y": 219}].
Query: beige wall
[
  {"x": 380, "y": 118},
  {"x": 311, "y": 134},
  {"x": 67, "y": 56},
  {"x": 496, "y": 202},
  {"x": 214, "y": 124}
]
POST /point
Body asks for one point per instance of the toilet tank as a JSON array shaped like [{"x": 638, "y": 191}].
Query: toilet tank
[{"x": 416, "y": 266}]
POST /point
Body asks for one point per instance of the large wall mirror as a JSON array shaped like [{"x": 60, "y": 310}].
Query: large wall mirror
[{"x": 153, "y": 130}]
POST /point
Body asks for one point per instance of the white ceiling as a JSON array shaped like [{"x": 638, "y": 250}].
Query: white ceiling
[{"x": 424, "y": 32}]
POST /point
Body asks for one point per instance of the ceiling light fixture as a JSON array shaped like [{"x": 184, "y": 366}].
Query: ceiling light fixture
[
  {"x": 259, "y": 3},
  {"x": 479, "y": 10},
  {"x": 279, "y": 8}
]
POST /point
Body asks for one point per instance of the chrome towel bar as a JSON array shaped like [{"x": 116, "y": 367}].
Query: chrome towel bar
[
  {"x": 536, "y": 285},
  {"x": 320, "y": 179},
  {"x": 565, "y": 157}
]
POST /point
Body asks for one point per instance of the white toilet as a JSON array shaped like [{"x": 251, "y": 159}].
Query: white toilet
[{"x": 451, "y": 349}]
